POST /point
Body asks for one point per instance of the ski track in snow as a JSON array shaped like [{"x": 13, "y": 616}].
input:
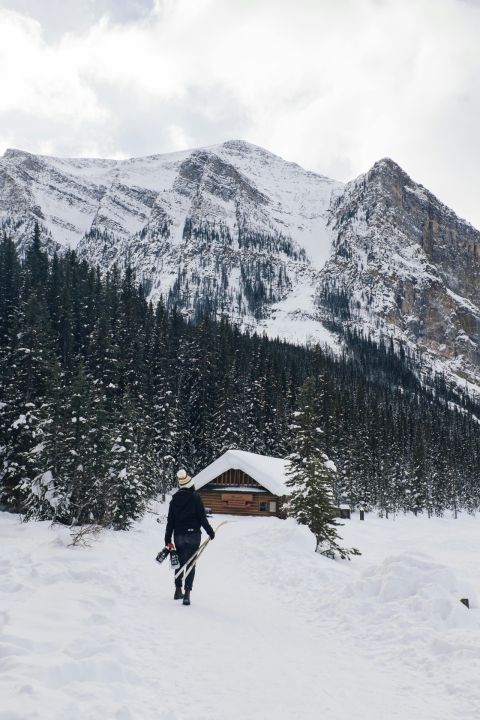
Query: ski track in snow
[{"x": 274, "y": 630}]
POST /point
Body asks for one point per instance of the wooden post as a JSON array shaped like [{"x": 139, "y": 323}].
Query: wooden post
[
  {"x": 362, "y": 514},
  {"x": 465, "y": 601}
]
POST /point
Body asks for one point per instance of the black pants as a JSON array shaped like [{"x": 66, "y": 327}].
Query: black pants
[{"x": 187, "y": 544}]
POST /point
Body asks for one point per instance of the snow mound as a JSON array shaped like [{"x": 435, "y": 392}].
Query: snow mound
[
  {"x": 411, "y": 594},
  {"x": 408, "y": 610}
]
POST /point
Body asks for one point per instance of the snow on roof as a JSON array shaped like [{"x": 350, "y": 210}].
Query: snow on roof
[{"x": 270, "y": 472}]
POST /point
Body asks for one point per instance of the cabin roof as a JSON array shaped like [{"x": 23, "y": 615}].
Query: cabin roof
[{"x": 270, "y": 472}]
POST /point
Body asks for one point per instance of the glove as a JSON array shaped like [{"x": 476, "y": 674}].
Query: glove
[
  {"x": 212, "y": 534},
  {"x": 170, "y": 546}
]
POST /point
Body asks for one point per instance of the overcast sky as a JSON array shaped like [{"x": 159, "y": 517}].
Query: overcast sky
[{"x": 331, "y": 84}]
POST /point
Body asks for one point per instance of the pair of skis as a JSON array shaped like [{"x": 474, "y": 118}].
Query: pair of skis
[{"x": 191, "y": 562}]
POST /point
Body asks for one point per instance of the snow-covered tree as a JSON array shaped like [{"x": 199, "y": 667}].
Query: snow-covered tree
[{"x": 311, "y": 476}]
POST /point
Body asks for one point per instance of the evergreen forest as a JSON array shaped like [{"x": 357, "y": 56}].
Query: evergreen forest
[{"x": 103, "y": 396}]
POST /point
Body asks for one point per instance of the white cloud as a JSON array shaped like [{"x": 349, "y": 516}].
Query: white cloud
[
  {"x": 332, "y": 85},
  {"x": 41, "y": 80}
]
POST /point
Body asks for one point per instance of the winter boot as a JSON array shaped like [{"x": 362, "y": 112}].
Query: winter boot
[
  {"x": 178, "y": 594},
  {"x": 186, "y": 597}
]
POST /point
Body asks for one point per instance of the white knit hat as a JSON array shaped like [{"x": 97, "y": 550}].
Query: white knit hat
[{"x": 184, "y": 480}]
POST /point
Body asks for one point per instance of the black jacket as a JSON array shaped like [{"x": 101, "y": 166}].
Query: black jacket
[{"x": 186, "y": 512}]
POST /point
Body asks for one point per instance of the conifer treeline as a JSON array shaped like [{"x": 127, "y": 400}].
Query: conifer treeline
[{"x": 103, "y": 396}]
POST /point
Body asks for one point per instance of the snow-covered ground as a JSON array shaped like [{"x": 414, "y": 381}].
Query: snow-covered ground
[{"x": 274, "y": 630}]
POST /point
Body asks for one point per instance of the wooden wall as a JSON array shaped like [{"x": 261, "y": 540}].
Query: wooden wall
[
  {"x": 229, "y": 494},
  {"x": 236, "y": 478}
]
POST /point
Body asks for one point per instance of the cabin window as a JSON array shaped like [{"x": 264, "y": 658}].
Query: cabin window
[
  {"x": 273, "y": 506},
  {"x": 263, "y": 506}
]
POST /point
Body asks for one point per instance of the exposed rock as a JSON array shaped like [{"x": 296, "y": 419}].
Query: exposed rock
[{"x": 409, "y": 266}]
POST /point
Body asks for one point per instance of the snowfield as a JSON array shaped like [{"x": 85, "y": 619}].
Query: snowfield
[{"x": 274, "y": 630}]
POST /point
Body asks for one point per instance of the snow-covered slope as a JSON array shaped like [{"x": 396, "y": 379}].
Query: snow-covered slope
[
  {"x": 240, "y": 231},
  {"x": 232, "y": 226},
  {"x": 222, "y": 184},
  {"x": 274, "y": 630}
]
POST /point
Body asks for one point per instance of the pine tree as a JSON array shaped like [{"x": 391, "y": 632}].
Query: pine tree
[
  {"x": 162, "y": 430},
  {"x": 10, "y": 288},
  {"x": 310, "y": 476},
  {"x": 228, "y": 415},
  {"x": 129, "y": 481},
  {"x": 27, "y": 474}
]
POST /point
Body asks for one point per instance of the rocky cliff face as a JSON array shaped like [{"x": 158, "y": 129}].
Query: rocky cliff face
[
  {"x": 277, "y": 248},
  {"x": 408, "y": 266}
]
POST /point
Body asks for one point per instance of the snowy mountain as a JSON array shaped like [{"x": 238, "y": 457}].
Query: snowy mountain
[
  {"x": 404, "y": 265},
  {"x": 239, "y": 230}
]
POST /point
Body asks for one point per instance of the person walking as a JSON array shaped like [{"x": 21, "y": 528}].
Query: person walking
[{"x": 186, "y": 515}]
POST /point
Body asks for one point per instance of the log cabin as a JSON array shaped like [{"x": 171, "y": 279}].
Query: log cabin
[{"x": 243, "y": 483}]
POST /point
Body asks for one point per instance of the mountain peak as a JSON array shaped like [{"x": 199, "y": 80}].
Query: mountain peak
[
  {"x": 16, "y": 152},
  {"x": 387, "y": 166},
  {"x": 240, "y": 147},
  {"x": 239, "y": 144}
]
